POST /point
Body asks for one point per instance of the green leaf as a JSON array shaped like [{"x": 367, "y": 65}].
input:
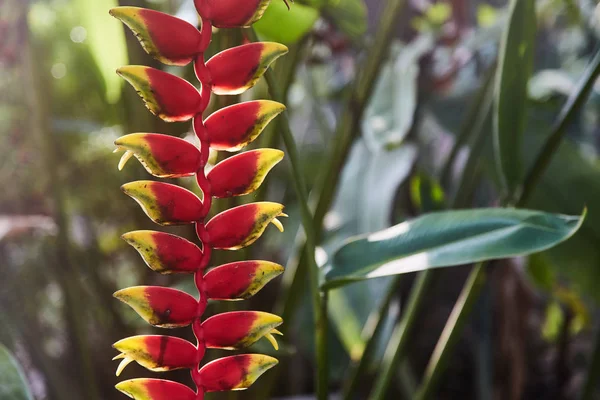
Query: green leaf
[
  {"x": 446, "y": 239},
  {"x": 516, "y": 59},
  {"x": 106, "y": 40},
  {"x": 12, "y": 380},
  {"x": 349, "y": 16},
  {"x": 571, "y": 182},
  {"x": 346, "y": 324},
  {"x": 279, "y": 24}
]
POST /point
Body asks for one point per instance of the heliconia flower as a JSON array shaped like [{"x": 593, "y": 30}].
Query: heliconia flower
[
  {"x": 164, "y": 203},
  {"x": 156, "y": 352},
  {"x": 168, "y": 39},
  {"x": 155, "y": 389},
  {"x": 239, "y": 280},
  {"x": 239, "y": 329},
  {"x": 241, "y": 226},
  {"x": 171, "y": 98},
  {"x": 165, "y": 253},
  {"x": 231, "y": 13},
  {"x": 160, "y": 306},
  {"x": 242, "y": 173},
  {"x": 235, "y": 70},
  {"x": 234, "y": 372},
  {"x": 166, "y": 96},
  {"x": 163, "y": 156},
  {"x": 231, "y": 128}
]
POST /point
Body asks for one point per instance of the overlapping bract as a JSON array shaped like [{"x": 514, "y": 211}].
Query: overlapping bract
[{"x": 173, "y": 41}]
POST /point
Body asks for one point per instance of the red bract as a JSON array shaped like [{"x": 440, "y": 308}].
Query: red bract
[
  {"x": 239, "y": 280},
  {"x": 165, "y": 253},
  {"x": 156, "y": 352},
  {"x": 155, "y": 389},
  {"x": 231, "y": 128},
  {"x": 231, "y": 13},
  {"x": 235, "y": 70},
  {"x": 159, "y": 306},
  {"x": 163, "y": 156},
  {"x": 242, "y": 173},
  {"x": 164, "y": 203},
  {"x": 238, "y": 329},
  {"x": 168, "y": 39},
  {"x": 166, "y": 96},
  {"x": 232, "y": 71},
  {"x": 241, "y": 226},
  {"x": 234, "y": 372}
]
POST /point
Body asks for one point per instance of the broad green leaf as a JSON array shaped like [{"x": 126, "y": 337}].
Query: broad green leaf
[
  {"x": 446, "y": 239},
  {"x": 281, "y": 25},
  {"x": 515, "y": 65},
  {"x": 106, "y": 39},
  {"x": 13, "y": 385}
]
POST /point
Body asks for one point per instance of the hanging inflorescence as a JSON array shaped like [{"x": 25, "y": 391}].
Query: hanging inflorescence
[{"x": 175, "y": 42}]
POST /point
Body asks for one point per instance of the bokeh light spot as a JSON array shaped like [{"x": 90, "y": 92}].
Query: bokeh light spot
[
  {"x": 78, "y": 34},
  {"x": 58, "y": 70}
]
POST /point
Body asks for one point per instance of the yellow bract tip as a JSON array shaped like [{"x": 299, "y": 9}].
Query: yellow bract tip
[
  {"x": 272, "y": 340},
  {"x": 278, "y": 224},
  {"x": 125, "y": 362},
  {"x": 124, "y": 158}
]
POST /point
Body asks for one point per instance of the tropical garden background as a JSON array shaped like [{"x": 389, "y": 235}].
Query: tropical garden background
[{"x": 395, "y": 109}]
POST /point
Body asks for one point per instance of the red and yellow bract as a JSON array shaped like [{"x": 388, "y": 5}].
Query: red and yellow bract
[
  {"x": 173, "y": 41},
  {"x": 166, "y": 253}
]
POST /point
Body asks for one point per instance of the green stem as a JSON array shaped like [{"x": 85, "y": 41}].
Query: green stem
[
  {"x": 593, "y": 372},
  {"x": 570, "y": 109},
  {"x": 322, "y": 351},
  {"x": 451, "y": 333},
  {"x": 371, "y": 332},
  {"x": 307, "y": 223},
  {"x": 462, "y": 193},
  {"x": 472, "y": 289},
  {"x": 397, "y": 345},
  {"x": 349, "y": 125},
  {"x": 466, "y": 128},
  {"x": 347, "y": 130}
]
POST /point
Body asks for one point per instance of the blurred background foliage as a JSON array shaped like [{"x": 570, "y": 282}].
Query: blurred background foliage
[{"x": 61, "y": 213}]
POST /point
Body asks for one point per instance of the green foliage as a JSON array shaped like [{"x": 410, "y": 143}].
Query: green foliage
[
  {"x": 392, "y": 158},
  {"x": 449, "y": 238},
  {"x": 515, "y": 64},
  {"x": 279, "y": 24},
  {"x": 13, "y": 385},
  {"x": 349, "y": 16},
  {"x": 106, "y": 40},
  {"x": 571, "y": 183}
]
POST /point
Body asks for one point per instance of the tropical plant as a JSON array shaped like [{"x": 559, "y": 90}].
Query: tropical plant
[
  {"x": 437, "y": 155},
  {"x": 233, "y": 71}
]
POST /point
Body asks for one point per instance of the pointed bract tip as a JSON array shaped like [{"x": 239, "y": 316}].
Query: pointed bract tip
[{"x": 272, "y": 340}]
